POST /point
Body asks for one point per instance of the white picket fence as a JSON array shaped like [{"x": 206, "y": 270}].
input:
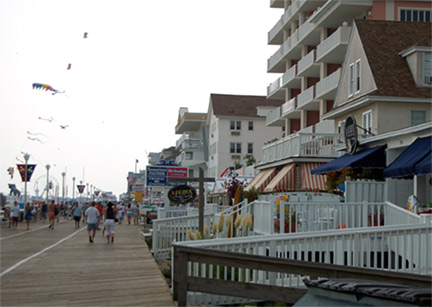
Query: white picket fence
[{"x": 402, "y": 248}]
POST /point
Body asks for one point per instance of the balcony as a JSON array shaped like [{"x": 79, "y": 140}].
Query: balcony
[
  {"x": 290, "y": 78},
  {"x": 319, "y": 145},
  {"x": 333, "y": 48},
  {"x": 274, "y": 118},
  {"x": 290, "y": 50},
  {"x": 190, "y": 122},
  {"x": 327, "y": 87},
  {"x": 277, "y": 4},
  {"x": 275, "y": 91},
  {"x": 275, "y": 36},
  {"x": 188, "y": 137},
  {"x": 307, "y": 66},
  {"x": 306, "y": 100},
  {"x": 289, "y": 109}
]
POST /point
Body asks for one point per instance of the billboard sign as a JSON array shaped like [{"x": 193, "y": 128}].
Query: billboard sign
[{"x": 157, "y": 175}]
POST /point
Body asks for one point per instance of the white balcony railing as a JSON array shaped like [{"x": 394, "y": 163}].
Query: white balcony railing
[
  {"x": 327, "y": 87},
  {"x": 289, "y": 106},
  {"x": 187, "y": 136},
  {"x": 273, "y": 87},
  {"x": 273, "y": 116},
  {"x": 305, "y": 98},
  {"x": 289, "y": 76},
  {"x": 277, "y": 28},
  {"x": 338, "y": 39},
  {"x": 302, "y": 145}
]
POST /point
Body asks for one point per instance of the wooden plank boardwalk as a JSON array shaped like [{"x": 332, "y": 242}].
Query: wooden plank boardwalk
[{"x": 60, "y": 267}]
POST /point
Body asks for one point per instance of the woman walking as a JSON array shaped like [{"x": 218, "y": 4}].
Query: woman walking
[
  {"x": 28, "y": 215},
  {"x": 51, "y": 214},
  {"x": 110, "y": 212}
]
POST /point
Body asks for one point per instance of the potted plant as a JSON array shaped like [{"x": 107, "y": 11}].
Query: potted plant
[{"x": 376, "y": 218}]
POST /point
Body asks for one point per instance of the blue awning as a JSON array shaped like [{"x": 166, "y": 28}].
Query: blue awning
[
  {"x": 369, "y": 158},
  {"x": 415, "y": 155}
]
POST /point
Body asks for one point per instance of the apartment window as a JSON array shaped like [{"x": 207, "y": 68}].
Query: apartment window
[
  {"x": 189, "y": 156},
  {"x": 367, "y": 122},
  {"x": 427, "y": 68},
  {"x": 418, "y": 117},
  {"x": 351, "y": 80},
  {"x": 250, "y": 148},
  {"x": 415, "y": 15},
  {"x": 235, "y": 147},
  {"x": 357, "y": 72},
  {"x": 235, "y": 125},
  {"x": 191, "y": 173},
  {"x": 250, "y": 126}
]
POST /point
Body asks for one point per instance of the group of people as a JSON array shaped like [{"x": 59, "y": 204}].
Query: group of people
[{"x": 94, "y": 214}]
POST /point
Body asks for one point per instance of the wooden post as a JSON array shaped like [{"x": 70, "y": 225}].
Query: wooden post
[{"x": 200, "y": 181}]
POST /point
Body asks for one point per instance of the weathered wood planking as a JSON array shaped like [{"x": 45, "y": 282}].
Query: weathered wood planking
[{"x": 78, "y": 273}]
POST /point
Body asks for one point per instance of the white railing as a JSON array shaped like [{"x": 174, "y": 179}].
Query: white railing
[
  {"x": 169, "y": 212},
  {"x": 301, "y": 144},
  {"x": 365, "y": 190},
  {"x": 328, "y": 85},
  {"x": 338, "y": 38},
  {"x": 273, "y": 116},
  {"x": 276, "y": 29},
  {"x": 273, "y": 87},
  {"x": 185, "y": 136},
  {"x": 306, "y": 97},
  {"x": 175, "y": 229},
  {"x": 307, "y": 61},
  {"x": 289, "y": 75},
  {"x": 405, "y": 248}
]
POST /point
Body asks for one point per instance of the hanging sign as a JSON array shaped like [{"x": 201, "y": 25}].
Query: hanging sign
[
  {"x": 22, "y": 171},
  {"x": 350, "y": 133},
  {"x": 182, "y": 194},
  {"x": 81, "y": 188}
]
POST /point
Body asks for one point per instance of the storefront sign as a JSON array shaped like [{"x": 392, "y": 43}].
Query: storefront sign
[
  {"x": 351, "y": 137},
  {"x": 182, "y": 194}
]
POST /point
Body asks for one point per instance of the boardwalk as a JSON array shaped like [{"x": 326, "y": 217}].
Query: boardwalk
[{"x": 44, "y": 267}]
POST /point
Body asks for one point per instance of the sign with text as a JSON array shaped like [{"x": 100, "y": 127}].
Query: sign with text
[
  {"x": 182, "y": 194},
  {"x": 157, "y": 175}
]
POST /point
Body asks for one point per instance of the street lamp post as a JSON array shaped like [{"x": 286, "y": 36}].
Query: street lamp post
[
  {"x": 73, "y": 188},
  {"x": 63, "y": 187},
  {"x": 47, "y": 186},
  {"x": 26, "y": 158}
]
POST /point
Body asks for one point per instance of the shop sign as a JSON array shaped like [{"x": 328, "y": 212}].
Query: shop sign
[
  {"x": 182, "y": 194},
  {"x": 351, "y": 137}
]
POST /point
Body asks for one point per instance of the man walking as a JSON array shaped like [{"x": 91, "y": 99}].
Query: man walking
[
  {"x": 14, "y": 215},
  {"x": 92, "y": 215}
]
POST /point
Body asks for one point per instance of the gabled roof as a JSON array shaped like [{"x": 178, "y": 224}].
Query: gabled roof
[
  {"x": 382, "y": 43},
  {"x": 240, "y": 105}
]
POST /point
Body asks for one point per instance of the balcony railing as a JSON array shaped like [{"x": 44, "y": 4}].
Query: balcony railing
[
  {"x": 307, "y": 66},
  {"x": 332, "y": 49},
  {"x": 188, "y": 136},
  {"x": 274, "y": 117},
  {"x": 289, "y": 109},
  {"x": 306, "y": 99},
  {"x": 290, "y": 76},
  {"x": 302, "y": 145},
  {"x": 326, "y": 88},
  {"x": 275, "y": 32},
  {"x": 273, "y": 88}
]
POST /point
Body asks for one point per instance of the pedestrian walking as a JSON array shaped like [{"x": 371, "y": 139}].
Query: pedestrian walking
[
  {"x": 110, "y": 212},
  {"x": 77, "y": 212},
  {"x": 99, "y": 208},
  {"x": 92, "y": 215},
  {"x": 28, "y": 215},
  {"x": 51, "y": 214},
  {"x": 136, "y": 214},
  {"x": 44, "y": 211},
  {"x": 15, "y": 212},
  {"x": 129, "y": 213}
]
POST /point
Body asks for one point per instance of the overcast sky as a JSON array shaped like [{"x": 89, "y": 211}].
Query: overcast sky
[{"x": 141, "y": 62}]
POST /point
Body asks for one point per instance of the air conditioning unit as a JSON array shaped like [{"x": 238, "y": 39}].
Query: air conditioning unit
[
  {"x": 428, "y": 79},
  {"x": 234, "y": 132},
  {"x": 235, "y": 157}
]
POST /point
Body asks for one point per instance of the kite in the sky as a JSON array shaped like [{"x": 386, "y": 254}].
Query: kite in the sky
[
  {"x": 31, "y": 133},
  {"x": 64, "y": 127},
  {"x": 85, "y": 34},
  {"x": 11, "y": 171},
  {"x": 36, "y": 139},
  {"x": 69, "y": 66},
  {"x": 46, "y": 87},
  {"x": 47, "y": 119}
]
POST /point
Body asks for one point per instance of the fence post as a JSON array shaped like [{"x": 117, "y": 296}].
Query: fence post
[{"x": 180, "y": 277}]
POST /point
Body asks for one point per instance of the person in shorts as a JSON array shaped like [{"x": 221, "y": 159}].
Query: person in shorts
[
  {"x": 92, "y": 215},
  {"x": 77, "y": 211},
  {"x": 14, "y": 214}
]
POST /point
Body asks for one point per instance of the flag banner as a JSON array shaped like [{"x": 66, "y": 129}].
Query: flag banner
[
  {"x": 81, "y": 188},
  {"x": 96, "y": 193},
  {"x": 22, "y": 171}
]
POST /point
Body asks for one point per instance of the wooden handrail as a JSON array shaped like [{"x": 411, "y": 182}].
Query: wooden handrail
[{"x": 183, "y": 283}]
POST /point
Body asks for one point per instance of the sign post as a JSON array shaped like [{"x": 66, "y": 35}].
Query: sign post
[{"x": 200, "y": 181}]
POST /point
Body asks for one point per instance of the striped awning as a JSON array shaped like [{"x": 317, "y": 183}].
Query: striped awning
[
  {"x": 262, "y": 179},
  {"x": 312, "y": 182},
  {"x": 284, "y": 181}
]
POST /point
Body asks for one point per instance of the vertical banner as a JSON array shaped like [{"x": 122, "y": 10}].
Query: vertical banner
[
  {"x": 22, "y": 171},
  {"x": 138, "y": 196}
]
